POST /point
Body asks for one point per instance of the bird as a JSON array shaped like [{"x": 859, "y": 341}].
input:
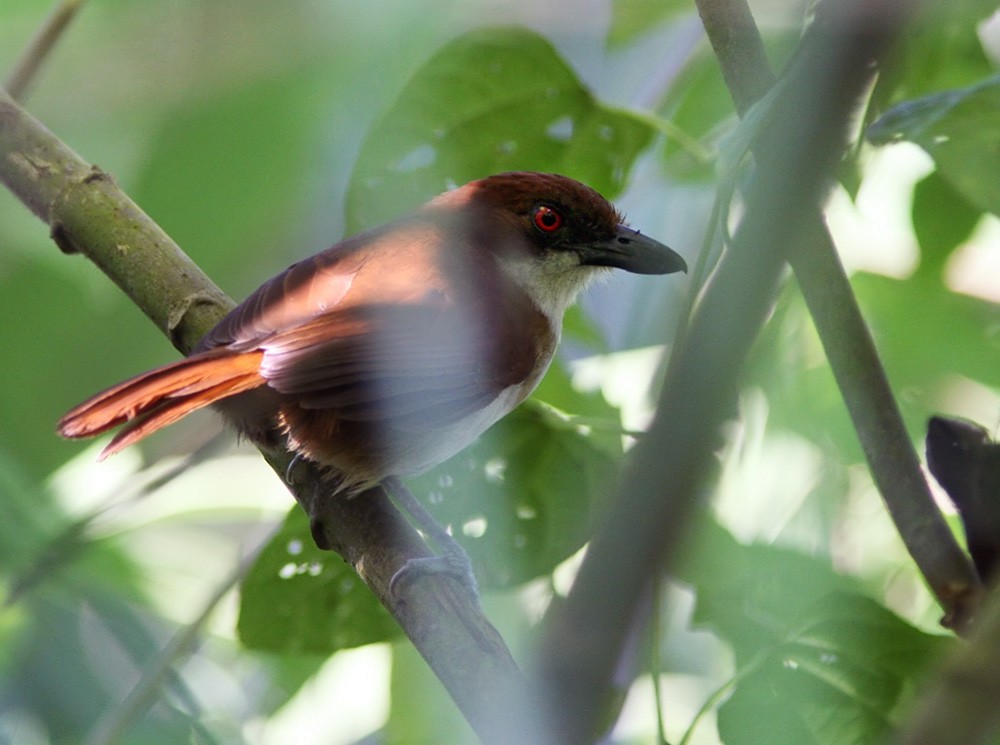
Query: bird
[{"x": 396, "y": 348}]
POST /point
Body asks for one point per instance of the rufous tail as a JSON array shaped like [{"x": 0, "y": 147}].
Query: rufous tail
[{"x": 160, "y": 397}]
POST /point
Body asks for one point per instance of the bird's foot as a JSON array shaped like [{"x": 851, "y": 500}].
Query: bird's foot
[{"x": 454, "y": 563}]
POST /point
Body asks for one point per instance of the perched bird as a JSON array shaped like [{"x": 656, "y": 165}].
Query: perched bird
[{"x": 396, "y": 348}]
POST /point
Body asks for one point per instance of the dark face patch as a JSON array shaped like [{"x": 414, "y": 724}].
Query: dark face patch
[{"x": 550, "y": 211}]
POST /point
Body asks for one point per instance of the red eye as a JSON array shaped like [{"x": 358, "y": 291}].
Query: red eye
[{"x": 547, "y": 219}]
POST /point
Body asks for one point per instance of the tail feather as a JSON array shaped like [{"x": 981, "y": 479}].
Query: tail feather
[{"x": 160, "y": 397}]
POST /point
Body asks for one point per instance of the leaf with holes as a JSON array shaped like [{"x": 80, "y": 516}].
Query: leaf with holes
[
  {"x": 521, "y": 499},
  {"x": 300, "y": 600}
]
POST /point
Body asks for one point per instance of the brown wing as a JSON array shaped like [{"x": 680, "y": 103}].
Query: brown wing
[
  {"x": 361, "y": 269},
  {"x": 410, "y": 367},
  {"x": 396, "y": 327}
]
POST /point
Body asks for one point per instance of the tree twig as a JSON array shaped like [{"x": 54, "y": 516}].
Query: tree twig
[
  {"x": 110, "y": 727},
  {"x": 849, "y": 346},
  {"x": 660, "y": 488},
  {"x": 39, "y": 47},
  {"x": 89, "y": 214}
]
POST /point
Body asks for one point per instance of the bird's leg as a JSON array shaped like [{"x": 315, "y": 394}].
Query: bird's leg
[{"x": 453, "y": 559}]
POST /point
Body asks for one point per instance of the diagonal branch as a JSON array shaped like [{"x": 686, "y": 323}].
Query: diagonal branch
[
  {"x": 88, "y": 214},
  {"x": 849, "y": 346},
  {"x": 669, "y": 466}
]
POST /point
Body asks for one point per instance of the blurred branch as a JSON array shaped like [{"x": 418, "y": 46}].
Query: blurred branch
[
  {"x": 960, "y": 705},
  {"x": 40, "y": 46},
  {"x": 116, "y": 722},
  {"x": 89, "y": 214},
  {"x": 847, "y": 341},
  {"x": 660, "y": 489}
]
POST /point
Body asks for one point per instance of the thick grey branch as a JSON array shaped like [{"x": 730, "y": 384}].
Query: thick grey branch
[
  {"x": 642, "y": 532},
  {"x": 848, "y": 343}
]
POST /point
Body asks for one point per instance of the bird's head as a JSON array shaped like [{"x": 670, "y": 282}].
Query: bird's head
[{"x": 566, "y": 233}]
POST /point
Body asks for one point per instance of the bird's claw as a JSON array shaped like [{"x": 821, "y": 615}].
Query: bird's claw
[{"x": 450, "y": 564}]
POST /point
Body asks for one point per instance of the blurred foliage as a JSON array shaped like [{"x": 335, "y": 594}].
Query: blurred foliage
[
  {"x": 257, "y": 133},
  {"x": 959, "y": 130},
  {"x": 632, "y": 18}
]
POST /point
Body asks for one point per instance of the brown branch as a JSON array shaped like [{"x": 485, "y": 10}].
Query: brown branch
[
  {"x": 89, "y": 214},
  {"x": 848, "y": 344},
  {"x": 660, "y": 488}
]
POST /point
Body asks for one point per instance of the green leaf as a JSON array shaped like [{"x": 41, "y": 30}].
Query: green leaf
[
  {"x": 494, "y": 99},
  {"x": 298, "y": 599},
  {"x": 788, "y": 364},
  {"x": 960, "y": 130},
  {"x": 839, "y": 674},
  {"x": 942, "y": 219},
  {"x": 421, "y": 710},
  {"x": 632, "y": 18},
  {"x": 817, "y": 661},
  {"x": 750, "y": 595},
  {"x": 941, "y": 50},
  {"x": 698, "y": 104},
  {"x": 906, "y": 314},
  {"x": 924, "y": 333}
]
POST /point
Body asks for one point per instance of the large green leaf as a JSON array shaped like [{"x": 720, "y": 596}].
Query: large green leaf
[
  {"x": 300, "y": 600},
  {"x": 817, "y": 662},
  {"x": 926, "y": 332},
  {"x": 494, "y": 99},
  {"x": 925, "y": 335},
  {"x": 836, "y": 673},
  {"x": 521, "y": 499},
  {"x": 941, "y": 49}
]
